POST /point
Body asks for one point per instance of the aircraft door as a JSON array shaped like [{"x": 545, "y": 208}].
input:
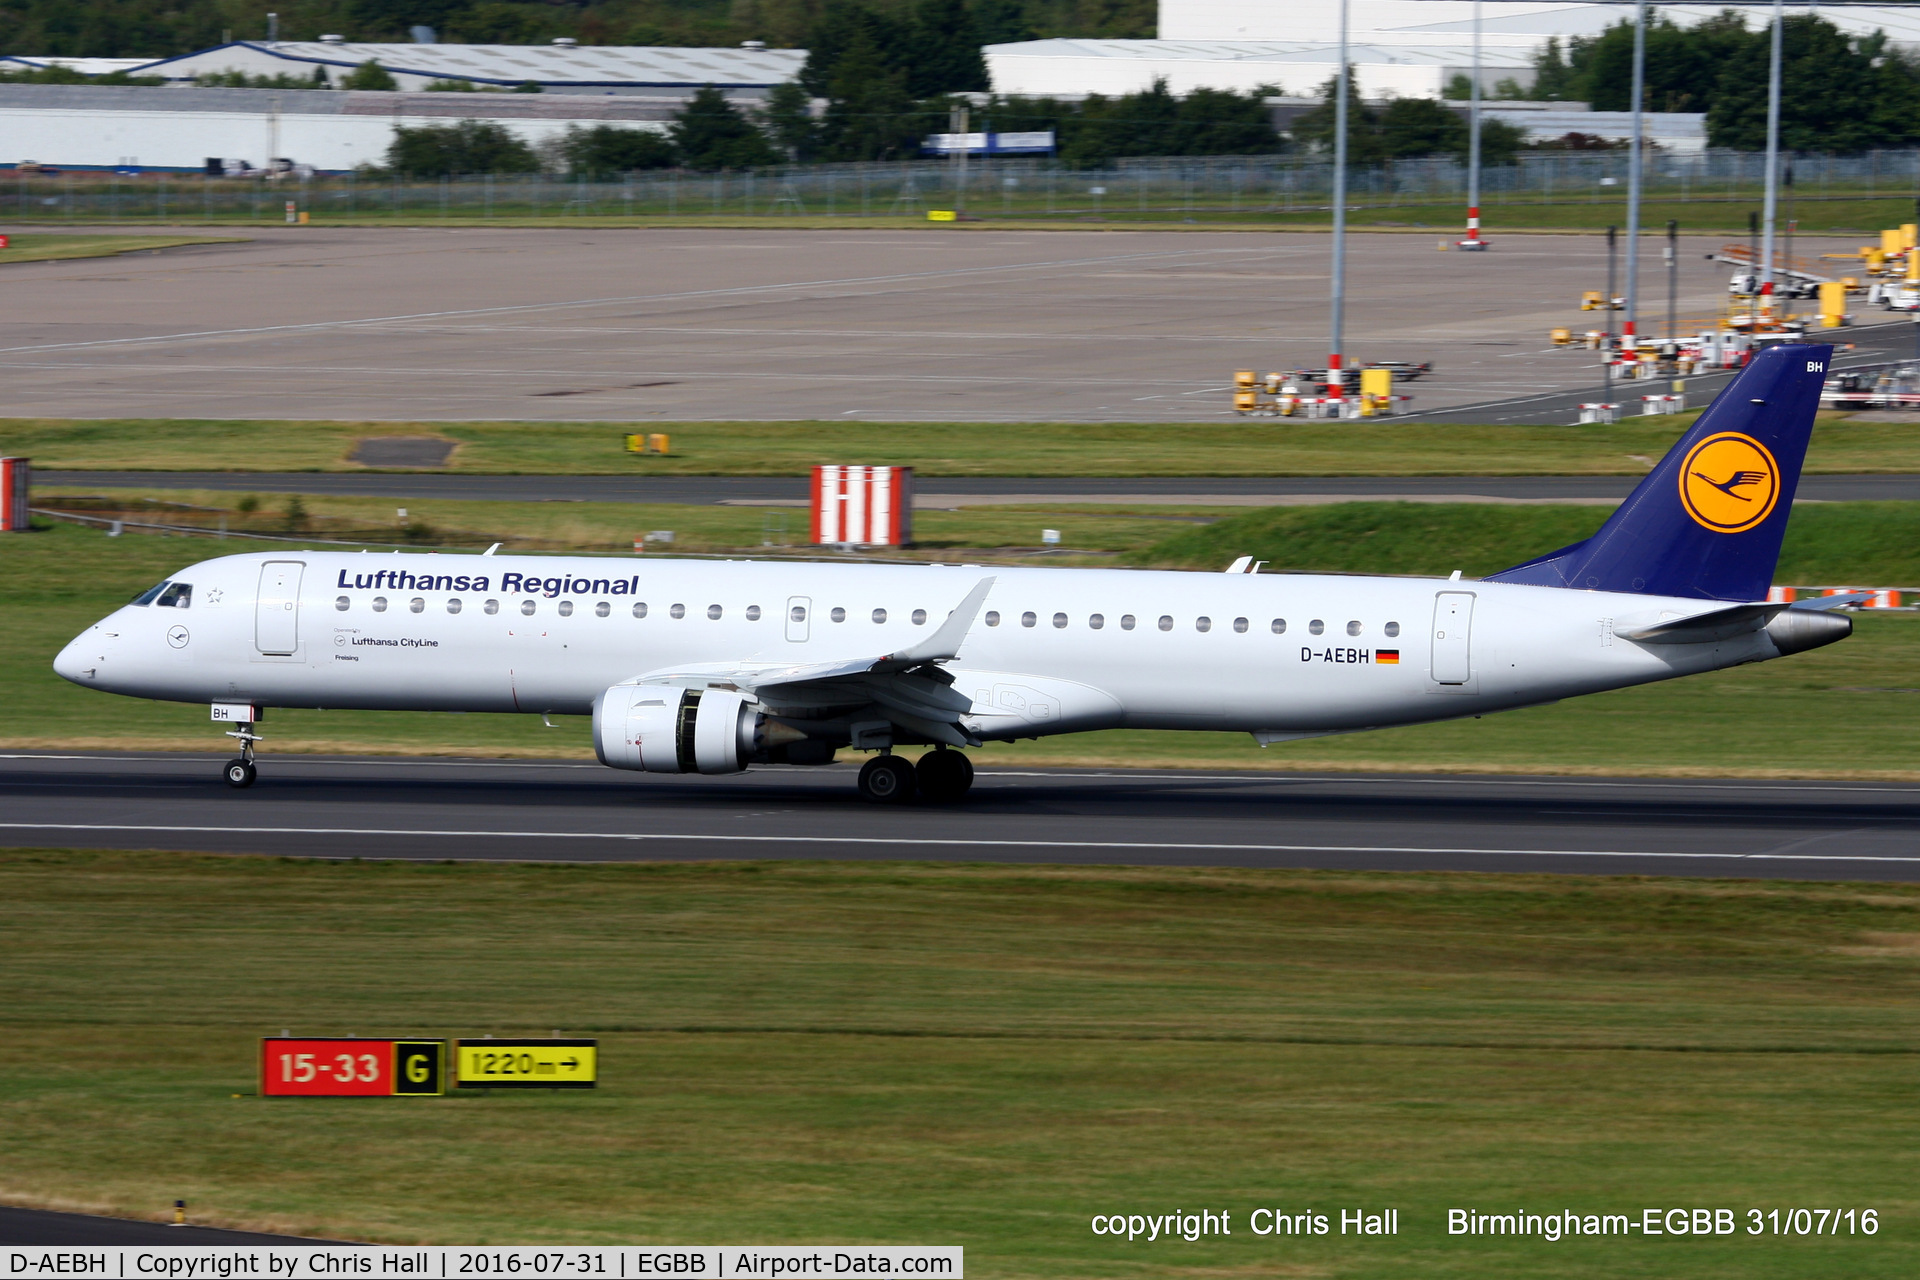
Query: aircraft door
[
  {"x": 798, "y": 609},
  {"x": 276, "y": 609},
  {"x": 1453, "y": 637}
]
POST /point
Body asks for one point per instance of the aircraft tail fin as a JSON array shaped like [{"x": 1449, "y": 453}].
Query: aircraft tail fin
[{"x": 1708, "y": 520}]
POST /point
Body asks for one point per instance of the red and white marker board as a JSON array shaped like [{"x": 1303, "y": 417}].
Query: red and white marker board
[
  {"x": 16, "y": 477},
  {"x": 292, "y": 1067},
  {"x": 872, "y": 506}
]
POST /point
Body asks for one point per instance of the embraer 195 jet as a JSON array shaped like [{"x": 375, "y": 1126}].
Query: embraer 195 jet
[{"x": 711, "y": 667}]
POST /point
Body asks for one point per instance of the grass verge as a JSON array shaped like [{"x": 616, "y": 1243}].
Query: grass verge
[
  {"x": 1251, "y": 447},
  {"x": 1851, "y": 706},
  {"x": 981, "y": 1055},
  {"x": 33, "y": 246}
]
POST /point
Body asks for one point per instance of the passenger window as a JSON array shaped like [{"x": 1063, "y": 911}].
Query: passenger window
[
  {"x": 177, "y": 596},
  {"x": 528, "y": 606},
  {"x": 1166, "y": 622},
  {"x": 640, "y": 608},
  {"x": 713, "y": 612},
  {"x": 1240, "y": 626},
  {"x": 342, "y": 603},
  {"x": 1354, "y": 628},
  {"x": 453, "y": 604},
  {"x": 566, "y": 608},
  {"x": 490, "y": 608},
  {"x": 993, "y": 617},
  {"x": 1028, "y": 619},
  {"x": 1059, "y": 621},
  {"x": 753, "y": 613},
  {"x": 1203, "y": 624},
  {"x": 148, "y": 596},
  {"x": 838, "y": 614},
  {"x": 799, "y": 613},
  {"x": 1316, "y": 626},
  {"x": 1096, "y": 621},
  {"x": 379, "y": 604},
  {"x": 602, "y": 609},
  {"x": 919, "y": 617},
  {"x": 416, "y": 605},
  {"x": 879, "y": 615},
  {"x": 1279, "y": 626},
  {"x": 1126, "y": 622},
  {"x": 677, "y": 611},
  {"x": 1392, "y": 629}
]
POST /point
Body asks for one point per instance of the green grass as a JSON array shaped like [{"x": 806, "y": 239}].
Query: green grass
[
  {"x": 1873, "y": 543},
  {"x": 1241, "y": 447},
  {"x": 1581, "y": 208},
  {"x": 34, "y": 246},
  {"x": 1851, "y": 706},
  {"x": 979, "y": 1055}
]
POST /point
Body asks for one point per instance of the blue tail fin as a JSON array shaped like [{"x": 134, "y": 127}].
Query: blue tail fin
[{"x": 1708, "y": 520}]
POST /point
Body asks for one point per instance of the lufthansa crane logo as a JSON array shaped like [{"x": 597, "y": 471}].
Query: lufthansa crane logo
[{"x": 1729, "y": 483}]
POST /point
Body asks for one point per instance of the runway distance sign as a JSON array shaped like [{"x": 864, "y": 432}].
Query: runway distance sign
[
  {"x": 527, "y": 1064},
  {"x": 334, "y": 1067}
]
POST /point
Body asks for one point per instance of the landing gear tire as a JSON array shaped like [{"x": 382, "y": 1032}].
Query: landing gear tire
[
  {"x": 239, "y": 773},
  {"x": 944, "y": 776},
  {"x": 887, "y": 780}
]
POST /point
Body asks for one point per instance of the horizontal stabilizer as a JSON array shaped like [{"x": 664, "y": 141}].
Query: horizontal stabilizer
[{"x": 1704, "y": 628}]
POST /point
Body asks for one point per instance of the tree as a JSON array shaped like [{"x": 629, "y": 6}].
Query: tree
[
  {"x": 606, "y": 149},
  {"x": 1421, "y": 127},
  {"x": 943, "y": 50},
  {"x": 369, "y": 75},
  {"x": 469, "y": 146},
  {"x": 1315, "y": 128},
  {"x": 870, "y": 115},
  {"x": 1832, "y": 97},
  {"x": 711, "y": 133},
  {"x": 788, "y": 120}
]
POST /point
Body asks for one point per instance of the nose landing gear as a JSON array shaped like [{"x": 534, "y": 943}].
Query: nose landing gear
[{"x": 239, "y": 772}]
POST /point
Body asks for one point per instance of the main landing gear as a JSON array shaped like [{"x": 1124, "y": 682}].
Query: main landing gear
[
  {"x": 941, "y": 777},
  {"x": 239, "y": 772}
]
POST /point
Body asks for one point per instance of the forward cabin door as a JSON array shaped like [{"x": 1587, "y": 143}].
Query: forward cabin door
[
  {"x": 1453, "y": 637},
  {"x": 276, "y": 609}
]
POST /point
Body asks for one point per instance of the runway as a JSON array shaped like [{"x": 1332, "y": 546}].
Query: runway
[
  {"x": 45, "y": 1227},
  {"x": 937, "y": 492},
  {"x": 579, "y": 812}
]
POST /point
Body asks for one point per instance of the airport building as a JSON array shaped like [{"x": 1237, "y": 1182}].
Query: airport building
[
  {"x": 560, "y": 67},
  {"x": 1402, "y": 48},
  {"x": 109, "y": 127}
]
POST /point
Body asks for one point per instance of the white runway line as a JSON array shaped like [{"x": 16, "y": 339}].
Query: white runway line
[{"x": 917, "y": 841}]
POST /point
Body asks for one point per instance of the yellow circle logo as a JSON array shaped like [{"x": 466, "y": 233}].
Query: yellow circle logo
[{"x": 1729, "y": 483}]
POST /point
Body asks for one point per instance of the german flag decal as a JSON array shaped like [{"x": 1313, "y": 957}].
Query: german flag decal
[{"x": 1387, "y": 657}]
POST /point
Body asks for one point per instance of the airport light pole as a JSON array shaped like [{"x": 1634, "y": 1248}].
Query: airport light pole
[
  {"x": 1336, "y": 376},
  {"x": 1628, "y": 338},
  {"x": 1673, "y": 279},
  {"x": 1606, "y": 351},
  {"x": 1773, "y": 165},
  {"x": 1473, "y": 240}
]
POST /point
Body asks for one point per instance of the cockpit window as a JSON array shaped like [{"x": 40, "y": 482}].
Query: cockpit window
[
  {"x": 146, "y": 597},
  {"x": 178, "y": 595}
]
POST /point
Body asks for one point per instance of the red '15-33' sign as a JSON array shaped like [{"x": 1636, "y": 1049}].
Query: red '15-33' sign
[{"x": 334, "y": 1068}]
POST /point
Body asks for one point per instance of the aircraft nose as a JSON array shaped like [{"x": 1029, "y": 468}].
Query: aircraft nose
[{"x": 80, "y": 660}]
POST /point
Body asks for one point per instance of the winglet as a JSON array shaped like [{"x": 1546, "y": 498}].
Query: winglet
[{"x": 944, "y": 643}]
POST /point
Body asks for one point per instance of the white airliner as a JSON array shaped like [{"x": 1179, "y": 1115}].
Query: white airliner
[{"x": 711, "y": 667}]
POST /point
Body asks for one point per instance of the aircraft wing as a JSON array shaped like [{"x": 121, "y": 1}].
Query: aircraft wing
[{"x": 906, "y": 687}]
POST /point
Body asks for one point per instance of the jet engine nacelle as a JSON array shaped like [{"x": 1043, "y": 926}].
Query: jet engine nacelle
[{"x": 663, "y": 730}]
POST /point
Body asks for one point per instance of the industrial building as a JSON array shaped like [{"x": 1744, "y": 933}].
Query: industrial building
[
  {"x": 1402, "y": 48},
  {"x": 561, "y": 67},
  {"x": 109, "y": 127}
]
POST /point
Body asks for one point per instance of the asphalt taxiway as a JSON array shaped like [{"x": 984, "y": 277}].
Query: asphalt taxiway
[
  {"x": 577, "y": 811},
  {"x": 45, "y": 1227}
]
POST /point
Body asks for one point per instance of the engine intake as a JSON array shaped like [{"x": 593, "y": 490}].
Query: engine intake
[{"x": 662, "y": 730}]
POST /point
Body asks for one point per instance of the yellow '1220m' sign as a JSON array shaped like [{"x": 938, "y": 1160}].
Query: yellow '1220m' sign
[{"x": 527, "y": 1064}]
